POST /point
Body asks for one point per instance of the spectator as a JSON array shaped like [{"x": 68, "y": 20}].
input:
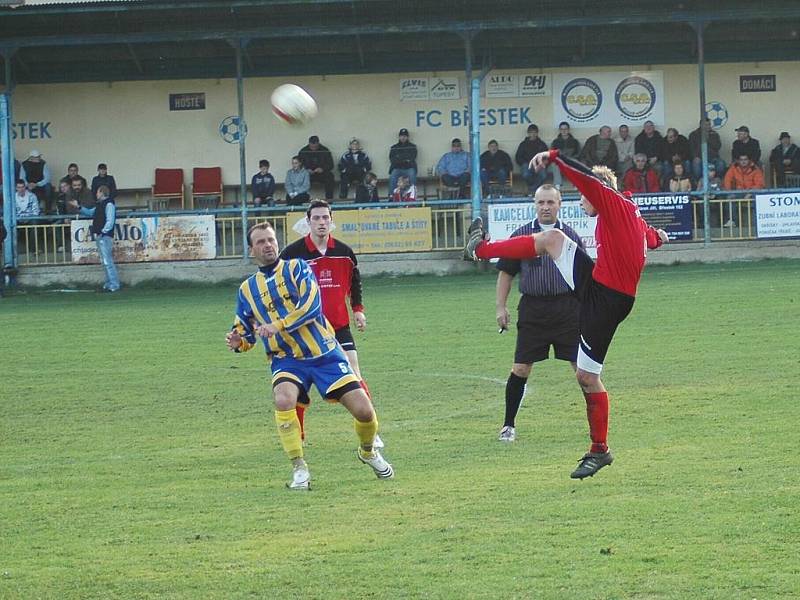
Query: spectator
[
  {"x": 600, "y": 150},
  {"x": 625, "y": 150},
  {"x": 66, "y": 204},
  {"x": 318, "y": 160},
  {"x": 650, "y": 143},
  {"x": 353, "y": 166},
  {"x": 675, "y": 149},
  {"x": 368, "y": 191},
  {"x": 72, "y": 172},
  {"x": 37, "y": 176},
  {"x": 26, "y": 202},
  {"x": 262, "y": 185},
  {"x": 298, "y": 183},
  {"x": 714, "y": 146},
  {"x": 79, "y": 193},
  {"x": 405, "y": 190},
  {"x": 402, "y": 160},
  {"x": 103, "y": 178},
  {"x": 679, "y": 181},
  {"x": 745, "y": 145},
  {"x": 641, "y": 179},
  {"x": 566, "y": 146},
  {"x": 495, "y": 165},
  {"x": 714, "y": 182},
  {"x": 784, "y": 158},
  {"x": 453, "y": 168},
  {"x": 744, "y": 174},
  {"x": 19, "y": 173},
  {"x": 104, "y": 216},
  {"x": 527, "y": 149}
]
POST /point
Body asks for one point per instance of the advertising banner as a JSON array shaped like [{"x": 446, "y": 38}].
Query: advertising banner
[
  {"x": 778, "y": 215},
  {"x": 670, "y": 212}
]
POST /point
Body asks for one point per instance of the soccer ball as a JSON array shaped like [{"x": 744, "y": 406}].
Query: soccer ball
[
  {"x": 718, "y": 114},
  {"x": 292, "y": 104},
  {"x": 231, "y": 130}
]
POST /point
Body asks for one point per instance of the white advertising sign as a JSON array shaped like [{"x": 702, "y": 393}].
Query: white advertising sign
[
  {"x": 537, "y": 84},
  {"x": 444, "y": 88},
  {"x": 778, "y": 215},
  {"x": 414, "y": 88},
  {"x": 502, "y": 86}
]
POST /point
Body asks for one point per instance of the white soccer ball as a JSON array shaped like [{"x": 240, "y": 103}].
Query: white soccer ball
[{"x": 292, "y": 104}]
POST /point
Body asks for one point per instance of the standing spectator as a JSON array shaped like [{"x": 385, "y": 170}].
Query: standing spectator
[
  {"x": 37, "y": 176},
  {"x": 641, "y": 179},
  {"x": 79, "y": 193},
  {"x": 675, "y": 149},
  {"x": 679, "y": 181},
  {"x": 453, "y": 168},
  {"x": 527, "y": 149},
  {"x": 402, "y": 160},
  {"x": 744, "y": 174},
  {"x": 104, "y": 215},
  {"x": 262, "y": 185},
  {"x": 353, "y": 166},
  {"x": 318, "y": 160},
  {"x": 405, "y": 190},
  {"x": 103, "y": 178},
  {"x": 496, "y": 165},
  {"x": 368, "y": 191},
  {"x": 567, "y": 145},
  {"x": 714, "y": 146},
  {"x": 650, "y": 143},
  {"x": 600, "y": 150},
  {"x": 784, "y": 158},
  {"x": 625, "y": 150},
  {"x": 745, "y": 145},
  {"x": 72, "y": 173},
  {"x": 297, "y": 184},
  {"x": 26, "y": 202}
]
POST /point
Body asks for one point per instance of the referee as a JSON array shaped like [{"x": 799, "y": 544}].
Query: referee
[{"x": 547, "y": 312}]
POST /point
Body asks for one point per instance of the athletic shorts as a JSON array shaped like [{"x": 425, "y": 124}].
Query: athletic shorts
[
  {"x": 545, "y": 321},
  {"x": 602, "y": 309},
  {"x": 330, "y": 373},
  {"x": 345, "y": 337}
]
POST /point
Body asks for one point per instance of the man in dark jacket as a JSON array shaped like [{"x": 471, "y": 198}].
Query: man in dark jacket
[
  {"x": 650, "y": 143},
  {"x": 262, "y": 185},
  {"x": 784, "y": 158},
  {"x": 527, "y": 149},
  {"x": 745, "y": 145},
  {"x": 714, "y": 146},
  {"x": 675, "y": 149},
  {"x": 600, "y": 150},
  {"x": 103, "y": 178},
  {"x": 566, "y": 145},
  {"x": 318, "y": 160},
  {"x": 353, "y": 166},
  {"x": 402, "y": 160},
  {"x": 495, "y": 166}
]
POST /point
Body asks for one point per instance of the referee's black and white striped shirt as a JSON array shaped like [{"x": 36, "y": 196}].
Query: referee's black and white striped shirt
[{"x": 540, "y": 276}]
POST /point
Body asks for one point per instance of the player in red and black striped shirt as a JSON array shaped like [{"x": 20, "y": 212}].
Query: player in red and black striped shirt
[
  {"x": 336, "y": 268},
  {"x": 606, "y": 289}
]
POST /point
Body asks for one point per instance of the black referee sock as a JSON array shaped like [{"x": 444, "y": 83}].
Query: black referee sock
[{"x": 515, "y": 390}]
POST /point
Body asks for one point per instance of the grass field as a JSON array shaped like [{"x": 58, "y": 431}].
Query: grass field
[{"x": 138, "y": 457}]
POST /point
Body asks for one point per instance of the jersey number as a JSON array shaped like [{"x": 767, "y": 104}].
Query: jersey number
[{"x": 344, "y": 368}]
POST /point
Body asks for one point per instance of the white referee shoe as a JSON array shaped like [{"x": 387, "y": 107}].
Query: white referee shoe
[
  {"x": 301, "y": 479},
  {"x": 383, "y": 470}
]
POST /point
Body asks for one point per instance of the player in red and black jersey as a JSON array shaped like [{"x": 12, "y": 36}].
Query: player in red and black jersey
[
  {"x": 606, "y": 289},
  {"x": 336, "y": 268}
]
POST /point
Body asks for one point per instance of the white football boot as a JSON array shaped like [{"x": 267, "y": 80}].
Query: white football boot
[{"x": 383, "y": 470}]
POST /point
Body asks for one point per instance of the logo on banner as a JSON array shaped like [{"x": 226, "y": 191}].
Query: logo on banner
[
  {"x": 501, "y": 86},
  {"x": 534, "y": 85},
  {"x": 582, "y": 99},
  {"x": 232, "y": 130},
  {"x": 414, "y": 89},
  {"x": 635, "y": 97},
  {"x": 445, "y": 88},
  {"x": 718, "y": 113}
]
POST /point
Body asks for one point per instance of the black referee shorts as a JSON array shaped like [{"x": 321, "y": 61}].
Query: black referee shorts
[
  {"x": 345, "y": 337},
  {"x": 545, "y": 321}
]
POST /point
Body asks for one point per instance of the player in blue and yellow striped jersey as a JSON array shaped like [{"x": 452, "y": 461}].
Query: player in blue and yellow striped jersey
[{"x": 281, "y": 303}]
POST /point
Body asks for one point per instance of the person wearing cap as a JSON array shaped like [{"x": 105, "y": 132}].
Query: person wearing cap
[
  {"x": 453, "y": 168},
  {"x": 745, "y": 145},
  {"x": 714, "y": 180},
  {"x": 319, "y": 161},
  {"x": 496, "y": 165},
  {"x": 402, "y": 160},
  {"x": 103, "y": 178},
  {"x": 353, "y": 166},
  {"x": 527, "y": 149},
  {"x": 714, "y": 146},
  {"x": 785, "y": 159},
  {"x": 37, "y": 176},
  {"x": 72, "y": 172}
]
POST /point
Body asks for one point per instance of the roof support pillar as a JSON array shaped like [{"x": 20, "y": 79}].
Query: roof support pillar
[
  {"x": 7, "y": 165},
  {"x": 699, "y": 27},
  {"x": 238, "y": 46}
]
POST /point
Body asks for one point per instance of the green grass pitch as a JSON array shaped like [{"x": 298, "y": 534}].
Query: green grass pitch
[{"x": 138, "y": 457}]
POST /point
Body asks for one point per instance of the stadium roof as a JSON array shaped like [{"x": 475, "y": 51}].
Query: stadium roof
[{"x": 147, "y": 39}]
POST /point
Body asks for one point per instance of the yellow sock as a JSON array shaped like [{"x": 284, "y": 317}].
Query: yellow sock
[
  {"x": 289, "y": 433},
  {"x": 366, "y": 432}
]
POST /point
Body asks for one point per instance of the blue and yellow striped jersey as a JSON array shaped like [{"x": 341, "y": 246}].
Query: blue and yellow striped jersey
[{"x": 287, "y": 296}]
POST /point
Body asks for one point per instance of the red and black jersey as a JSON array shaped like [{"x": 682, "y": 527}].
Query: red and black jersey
[
  {"x": 622, "y": 235},
  {"x": 337, "y": 276}
]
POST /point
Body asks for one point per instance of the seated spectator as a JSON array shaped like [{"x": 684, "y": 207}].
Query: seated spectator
[
  {"x": 72, "y": 172},
  {"x": 65, "y": 203},
  {"x": 745, "y": 145},
  {"x": 368, "y": 191},
  {"x": 650, "y": 143},
  {"x": 625, "y": 150},
  {"x": 262, "y": 185},
  {"x": 566, "y": 145},
  {"x": 405, "y": 190},
  {"x": 297, "y": 184},
  {"x": 103, "y": 178},
  {"x": 714, "y": 182},
  {"x": 353, "y": 166},
  {"x": 714, "y": 146},
  {"x": 641, "y": 179},
  {"x": 26, "y": 202},
  {"x": 527, "y": 149},
  {"x": 318, "y": 160},
  {"x": 79, "y": 193},
  {"x": 744, "y": 174},
  {"x": 784, "y": 158},
  {"x": 675, "y": 149},
  {"x": 679, "y": 181},
  {"x": 37, "y": 176},
  {"x": 402, "y": 160},
  {"x": 453, "y": 168},
  {"x": 495, "y": 165},
  {"x": 600, "y": 149}
]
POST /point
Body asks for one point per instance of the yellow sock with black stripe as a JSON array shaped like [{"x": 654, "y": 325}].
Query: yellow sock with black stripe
[
  {"x": 366, "y": 432},
  {"x": 289, "y": 433}
]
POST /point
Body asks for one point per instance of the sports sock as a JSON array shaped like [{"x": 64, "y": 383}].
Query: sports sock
[
  {"x": 515, "y": 390},
  {"x": 289, "y": 433},
  {"x": 366, "y": 432},
  {"x": 520, "y": 247},
  {"x": 597, "y": 413},
  {"x": 301, "y": 414}
]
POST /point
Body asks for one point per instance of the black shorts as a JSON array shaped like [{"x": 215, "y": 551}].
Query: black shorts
[
  {"x": 345, "y": 338},
  {"x": 543, "y": 322}
]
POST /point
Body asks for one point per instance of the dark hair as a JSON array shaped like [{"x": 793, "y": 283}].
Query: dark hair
[
  {"x": 297, "y": 158},
  {"x": 560, "y": 125},
  {"x": 318, "y": 204},
  {"x": 105, "y": 190},
  {"x": 258, "y": 226},
  {"x": 313, "y": 139},
  {"x": 72, "y": 165},
  {"x": 103, "y": 166},
  {"x": 18, "y": 181},
  {"x": 263, "y": 163},
  {"x": 492, "y": 142},
  {"x": 76, "y": 178}
]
